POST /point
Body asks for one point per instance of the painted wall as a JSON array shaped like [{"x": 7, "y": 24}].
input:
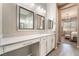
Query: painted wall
[
  {"x": 51, "y": 13},
  {"x": 71, "y": 12},
  {"x": 0, "y": 20}
]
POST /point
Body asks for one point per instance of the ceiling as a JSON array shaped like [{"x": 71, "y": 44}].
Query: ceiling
[{"x": 61, "y": 4}]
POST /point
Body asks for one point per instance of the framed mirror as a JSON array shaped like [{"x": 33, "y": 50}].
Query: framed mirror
[
  {"x": 26, "y": 19},
  {"x": 50, "y": 24},
  {"x": 40, "y": 22}
]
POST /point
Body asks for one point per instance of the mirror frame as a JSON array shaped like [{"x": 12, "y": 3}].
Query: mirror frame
[
  {"x": 43, "y": 22},
  {"x": 18, "y": 18},
  {"x": 51, "y": 24}
]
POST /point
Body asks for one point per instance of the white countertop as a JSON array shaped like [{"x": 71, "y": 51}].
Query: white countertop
[{"x": 6, "y": 41}]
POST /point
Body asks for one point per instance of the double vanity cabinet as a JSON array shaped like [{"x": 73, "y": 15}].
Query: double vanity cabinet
[{"x": 46, "y": 42}]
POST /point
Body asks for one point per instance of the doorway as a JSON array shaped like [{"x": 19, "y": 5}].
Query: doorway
[{"x": 68, "y": 21}]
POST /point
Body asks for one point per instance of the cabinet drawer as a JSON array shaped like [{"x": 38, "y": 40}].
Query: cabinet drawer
[
  {"x": 19, "y": 45},
  {"x": 1, "y": 50},
  {"x": 35, "y": 40}
]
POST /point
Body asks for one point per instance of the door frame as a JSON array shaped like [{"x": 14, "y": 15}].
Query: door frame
[{"x": 59, "y": 22}]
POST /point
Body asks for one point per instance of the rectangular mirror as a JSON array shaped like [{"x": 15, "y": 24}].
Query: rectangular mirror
[
  {"x": 26, "y": 19},
  {"x": 50, "y": 24},
  {"x": 40, "y": 22}
]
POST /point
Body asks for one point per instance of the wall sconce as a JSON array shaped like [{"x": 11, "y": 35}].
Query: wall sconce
[{"x": 35, "y": 8}]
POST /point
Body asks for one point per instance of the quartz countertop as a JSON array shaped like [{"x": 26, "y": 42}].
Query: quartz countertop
[{"x": 11, "y": 40}]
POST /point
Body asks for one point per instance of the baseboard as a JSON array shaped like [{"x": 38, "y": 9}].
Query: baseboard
[
  {"x": 29, "y": 54},
  {"x": 50, "y": 52},
  {"x": 55, "y": 47}
]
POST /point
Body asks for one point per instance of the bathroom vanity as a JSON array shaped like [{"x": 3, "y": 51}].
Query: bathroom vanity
[{"x": 46, "y": 42}]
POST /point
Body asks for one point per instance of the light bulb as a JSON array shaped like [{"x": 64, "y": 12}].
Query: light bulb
[
  {"x": 32, "y": 4},
  {"x": 44, "y": 11}
]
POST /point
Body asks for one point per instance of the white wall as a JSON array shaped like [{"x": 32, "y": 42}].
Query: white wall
[
  {"x": 0, "y": 20},
  {"x": 51, "y": 12},
  {"x": 71, "y": 12}
]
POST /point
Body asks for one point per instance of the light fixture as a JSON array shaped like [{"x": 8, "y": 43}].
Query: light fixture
[
  {"x": 44, "y": 11},
  {"x": 38, "y": 9},
  {"x": 32, "y": 4}
]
